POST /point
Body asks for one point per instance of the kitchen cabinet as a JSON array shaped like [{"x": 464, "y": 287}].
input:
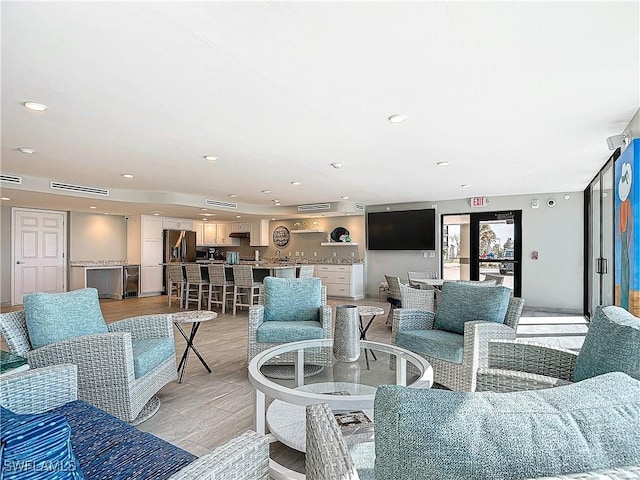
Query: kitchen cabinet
[
  {"x": 206, "y": 234},
  {"x": 241, "y": 227},
  {"x": 346, "y": 281},
  {"x": 259, "y": 234},
  {"x": 224, "y": 229},
  {"x": 177, "y": 224}
]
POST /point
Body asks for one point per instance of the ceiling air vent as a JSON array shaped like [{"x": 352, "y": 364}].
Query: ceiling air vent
[
  {"x": 11, "y": 179},
  {"x": 68, "y": 187},
  {"x": 314, "y": 207},
  {"x": 359, "y": 207},
  {"x": 218, "y": 203}
]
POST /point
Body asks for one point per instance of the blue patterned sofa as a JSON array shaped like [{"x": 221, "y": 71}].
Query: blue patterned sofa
[
  {"x": 590, "y": 426},
  {"x": 103, "y": 446}
]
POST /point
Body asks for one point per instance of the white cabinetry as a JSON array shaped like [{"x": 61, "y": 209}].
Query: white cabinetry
[
  {"x": 206, "y": 234},
  {"x": 342, "y": 280},
  {"x": 177, "y": 224},
  {"x": 224, "y": 229},
  {"x": 151, "y": 255},
  {"x": 259, "y": 234},
  {"x": 241, "y": 227}
]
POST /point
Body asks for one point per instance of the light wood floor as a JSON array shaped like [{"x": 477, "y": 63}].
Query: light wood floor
[{"x": 206, "y": 410}]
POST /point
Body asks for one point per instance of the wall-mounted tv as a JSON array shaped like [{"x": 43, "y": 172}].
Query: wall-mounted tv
[{"x": 402, "y": 230}]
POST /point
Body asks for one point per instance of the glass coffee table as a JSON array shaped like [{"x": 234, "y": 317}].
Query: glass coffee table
[{"x": 345, "y": 387}]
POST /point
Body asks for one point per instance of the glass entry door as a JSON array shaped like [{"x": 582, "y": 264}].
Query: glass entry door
[{"x": 496, "y": 247}]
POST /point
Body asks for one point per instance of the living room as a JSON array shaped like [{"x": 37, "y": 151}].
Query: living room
[{"x": 234, "y": 112}]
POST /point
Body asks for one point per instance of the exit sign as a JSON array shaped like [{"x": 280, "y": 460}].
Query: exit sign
[{"x": 478, "y": 201}]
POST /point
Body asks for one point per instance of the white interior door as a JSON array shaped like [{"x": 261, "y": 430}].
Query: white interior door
[{"x": 39, "y": 246}]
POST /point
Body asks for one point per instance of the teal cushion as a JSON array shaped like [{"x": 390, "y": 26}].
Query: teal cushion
[
  {"x": 292, "y": 299},
  {"x": 437, "y": 434},
  {"x": 54, "y": 317},
  {"x": 284, "y": 332},
  {"x": 446, "y": 346},
  {"x": 37, "y": 447},
  {"x": 461, "y": 303},
  {"x": 149, "y": 353},
  {"x": 612, "y": 344},
  {"x": 364, "y": 457}
]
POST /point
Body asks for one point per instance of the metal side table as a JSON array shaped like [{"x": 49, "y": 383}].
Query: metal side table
[{"x": 195, "y": 318}]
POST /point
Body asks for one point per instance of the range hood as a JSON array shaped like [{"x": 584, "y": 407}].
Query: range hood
[{"x": 239, "y": 235}]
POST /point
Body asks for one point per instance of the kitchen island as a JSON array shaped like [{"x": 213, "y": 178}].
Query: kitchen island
[{"x": 104, "y": 275}]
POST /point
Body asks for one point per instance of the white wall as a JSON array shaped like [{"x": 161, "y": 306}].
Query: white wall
[
  {"x": 553, "y": 281},
  {"x": 97, "y": 237}
]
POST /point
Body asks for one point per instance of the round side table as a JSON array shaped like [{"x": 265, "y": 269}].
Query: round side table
[
  {"x": 368, "y": 311},
  {"x": 195, "y": 317}
]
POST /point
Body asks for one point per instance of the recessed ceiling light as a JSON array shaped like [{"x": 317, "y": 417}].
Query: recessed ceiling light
[
  {"x": 204, "y": 209},
  {"x": 206, "y": 214},
  {"x": 273, "y": 219},
  {"x": 336, "y": 165},
  {"x": 397, "y": 118},
  {"x": 277, "y": 204},
  {"x": 156, "y": 214},
  {"x": 233, "y": 195},
  {"x": 107, "y": 213},
  {"x": 276, "y": 201},
  {"x": 5, "y": 198},
  {"x": 345, "y": 197},
  {"x": 35, "y": 106},
  {"x": 210, "y": 157},
  {"x": 567, "y": 196},
  {"x": 127, "y": 175},
  {"x": 348, "y": 214},
  {"x": 465, "y": 185},
  {"x": 266, "y": 191},
  {"x": 205, "y": 219},
  {"x": 92, "y": 207},
  {"x": 295, "y": 183},
  {"x": 26, "y": 151},
  {"x": 442, "y": 164},
  {"x": 238, "y": 216}
]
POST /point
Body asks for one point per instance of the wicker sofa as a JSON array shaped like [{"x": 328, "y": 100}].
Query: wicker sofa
[
  {"x": 586, "y": 430},
  {"x": 106, "y": 447}
]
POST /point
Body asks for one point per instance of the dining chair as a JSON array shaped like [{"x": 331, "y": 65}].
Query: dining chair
[
  {"x": 195, "y": 285},
  {"x": 219, "y": 287},
  {"x": 411, "y": 276},
  {"x": 243, "y": 284},
  {"x": 395, "y": 297}
]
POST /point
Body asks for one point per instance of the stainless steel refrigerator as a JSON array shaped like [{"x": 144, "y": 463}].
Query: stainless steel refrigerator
[{"x": 179, "y": 247}]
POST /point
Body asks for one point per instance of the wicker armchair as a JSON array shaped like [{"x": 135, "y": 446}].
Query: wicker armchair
[
  {"x": 245, "y": 457},
  {"x": 394, "y": 298},
  {"x": 105, "y": 362},
  {"x": 257, "y": 318},
  {"x": 475, "y": 341}
]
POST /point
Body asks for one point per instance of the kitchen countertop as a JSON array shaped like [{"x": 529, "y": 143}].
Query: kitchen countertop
[{"x": 99, "y": 263}]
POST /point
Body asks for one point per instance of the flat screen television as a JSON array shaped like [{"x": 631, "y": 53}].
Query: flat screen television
[{"x": 402, "y": 230}]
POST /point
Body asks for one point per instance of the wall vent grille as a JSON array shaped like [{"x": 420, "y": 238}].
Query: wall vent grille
[
  {"x": 359, "y": 207},
  {"x": 314, "y": 207},
  {"x": 68, "y": 187},
  {"x": 16, "y": 180},
  {"x": 218, "y": 203}
]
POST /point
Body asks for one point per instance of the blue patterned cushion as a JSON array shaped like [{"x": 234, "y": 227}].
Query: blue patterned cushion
[
  {"x": 292, "y": 299},
  {"x": 612, "y": 344},
  {"x": 461, "y": 303},
  {"x": 37, "y": 447},
  {"x": 438, "y": 434},
  {"x": 435, "y": 343},
  {"x": 108, "y": 448},
  {"x": 54, "y": 317},
  {"x": 281, "y": 332},
  {"x": 149, "y": 353}
]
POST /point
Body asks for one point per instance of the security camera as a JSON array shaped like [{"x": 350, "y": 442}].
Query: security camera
[
  {"x": 551, "y": 203},
  {"x": 616, "y": 141},
  {"x": 126, "y": 218}
]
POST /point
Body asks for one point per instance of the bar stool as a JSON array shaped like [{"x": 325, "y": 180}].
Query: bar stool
[
  {"x": 285, "y": 272},
  {"x": 175, "y": 283},
  {"x": 306, "y": 271},
  {"x": 219, "y": 286},
  {"x": 243, "y": 280},
  {"x": 194, "y": 285}
]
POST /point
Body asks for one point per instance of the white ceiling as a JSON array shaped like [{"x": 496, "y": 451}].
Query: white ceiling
[{"x": 519, "y": 97}]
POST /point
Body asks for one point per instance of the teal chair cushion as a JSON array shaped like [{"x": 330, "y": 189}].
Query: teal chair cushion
[
  {"x": 364, "y": 456},
  {"x": 292, "y": 299},
  {"x": 149, "y": 353},
  {"x": 612, "y": 344},
  {"x": 54, "y": 317},
  {"x": 436, "y": 434},
  {"x": 446, "y": 346},
  {"x": 461, "y": 303},
  {"x": 289, "y": 331}
]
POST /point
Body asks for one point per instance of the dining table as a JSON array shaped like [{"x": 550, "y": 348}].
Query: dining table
[{"x": 429, "y": 282}]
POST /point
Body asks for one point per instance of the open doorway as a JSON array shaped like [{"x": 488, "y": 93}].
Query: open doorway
[{"x": 479, "y": 244}]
